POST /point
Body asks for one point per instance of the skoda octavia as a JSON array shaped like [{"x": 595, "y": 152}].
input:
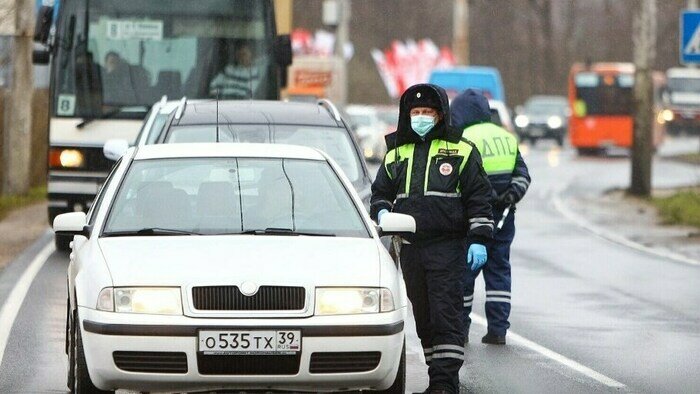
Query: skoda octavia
[{"x": 232, "y": 266}]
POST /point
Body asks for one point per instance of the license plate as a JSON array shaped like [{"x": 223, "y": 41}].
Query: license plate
[
  {"x": 537, "y": 132},
  {"x": 254, "y": 342}
]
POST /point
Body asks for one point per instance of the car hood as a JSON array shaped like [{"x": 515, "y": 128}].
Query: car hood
[{"x": 232, "y": 260}]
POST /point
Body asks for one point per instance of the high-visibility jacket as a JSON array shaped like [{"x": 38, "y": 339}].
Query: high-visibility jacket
[{"x": 502, "y": 161}]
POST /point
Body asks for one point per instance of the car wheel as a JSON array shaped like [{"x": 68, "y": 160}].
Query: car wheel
[
  {"x": 399, "y": 385},
  {"x": 63, "y": 242},
  {"x": 533, "y": 141},
  {"x": 560, "y": 141},
  {"x": 81, "y": 378}
]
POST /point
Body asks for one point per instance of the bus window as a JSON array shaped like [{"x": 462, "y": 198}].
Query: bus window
[
  {"x": 603, "y": 94},
  {"x": 128, "y": 53}
]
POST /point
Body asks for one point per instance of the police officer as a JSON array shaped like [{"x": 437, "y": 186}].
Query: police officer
[
  {"x": 430, "y": 173},
  {"x": 510, "y": 180}
]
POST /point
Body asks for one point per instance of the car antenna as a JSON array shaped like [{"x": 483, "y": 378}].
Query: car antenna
[{"x": 217, "y": 114}]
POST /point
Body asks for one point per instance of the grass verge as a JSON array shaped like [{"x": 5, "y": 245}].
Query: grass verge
[
  {"x": 682, "y": 207},
  {"x": 691, "y": 158},
  {"x": 9, "y": 203}
]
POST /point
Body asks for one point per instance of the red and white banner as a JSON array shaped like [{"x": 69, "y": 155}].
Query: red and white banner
[{"x": 406, "y": 64}]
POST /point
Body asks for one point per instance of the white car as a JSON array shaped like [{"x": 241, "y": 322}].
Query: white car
[
  {"x": 369, "y": 129},
  {"x": 232, "y": 266},
  {"x": 500, "y": 115}
]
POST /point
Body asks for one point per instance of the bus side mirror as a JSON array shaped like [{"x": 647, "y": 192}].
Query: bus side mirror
[
  {"x": 41, "y": 56},
  {"x": 42, "y": 28},
  {"x": 282, "y": 50}
]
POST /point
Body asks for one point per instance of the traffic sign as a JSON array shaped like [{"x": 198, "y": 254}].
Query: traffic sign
[{"x": 690, "y": 37}]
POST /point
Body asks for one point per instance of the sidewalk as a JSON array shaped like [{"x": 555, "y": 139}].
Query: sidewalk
[
  {"x": 19, "y": 229},
  {"x": 637, "y": 221}
]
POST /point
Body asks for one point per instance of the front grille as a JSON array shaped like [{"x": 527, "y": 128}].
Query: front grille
[
  {"x": 230, "y": 298},
  {"x": 248, "y": 365},
  {"x": 153, "y": 362},
  {"x": 344, "y": 362}
]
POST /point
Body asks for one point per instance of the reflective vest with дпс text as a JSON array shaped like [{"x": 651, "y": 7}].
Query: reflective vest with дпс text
[{"x": 498, "y": 147}]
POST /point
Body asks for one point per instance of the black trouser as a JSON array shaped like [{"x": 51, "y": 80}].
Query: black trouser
[{"x": 434, "y": 274}]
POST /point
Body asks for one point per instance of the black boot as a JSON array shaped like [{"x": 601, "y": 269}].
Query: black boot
[{"x": 493, "y": 339}]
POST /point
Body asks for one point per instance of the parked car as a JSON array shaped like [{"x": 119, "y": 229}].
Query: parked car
[
  {"x": 500, "y": 115},
  {"x": 543, "y": 117},
  {"x": 207, "y": 266},
  {"x": 369, "y": 129},
  {"x": 316, "y": 125}
]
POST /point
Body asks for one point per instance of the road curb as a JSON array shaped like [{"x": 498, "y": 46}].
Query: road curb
[{"x": 610, "y": 236}]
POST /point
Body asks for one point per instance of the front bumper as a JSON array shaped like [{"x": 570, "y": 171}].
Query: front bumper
[
  {"x": 73, "y": 191},
  {"x": 541, "y": 131},
  {"x": 105, "y": 333}
]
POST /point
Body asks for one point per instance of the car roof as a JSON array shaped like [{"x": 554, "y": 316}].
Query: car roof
[
  {"x": 169, "y": 151},
  {"x": 257, "y": 112}
]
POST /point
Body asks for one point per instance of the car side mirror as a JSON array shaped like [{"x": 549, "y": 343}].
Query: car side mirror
[
  {"x": 283, "y": 50},
  {"x": 42, "y": 28},
  {"x": 72, "y": 223},
  {"x": 397, "y": 224},
  {"x": 114, "y": 149}
]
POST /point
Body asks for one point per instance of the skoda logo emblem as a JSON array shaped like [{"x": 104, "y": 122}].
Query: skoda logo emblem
[{"x": 249, "y": 289}]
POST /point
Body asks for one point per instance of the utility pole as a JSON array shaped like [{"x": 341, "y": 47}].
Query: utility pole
[
  {"x": 16, "y": 22},
  {"x": 644, "y": 39},
  {"x": 460, "y": 31}
]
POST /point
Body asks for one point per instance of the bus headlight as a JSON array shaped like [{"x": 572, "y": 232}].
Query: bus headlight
[
  {"x": 66, "y": 158},
  {"x": 554, "y": 122},
  {"x": 522, "y": 121},
  {"x": 667, "y": 115}
]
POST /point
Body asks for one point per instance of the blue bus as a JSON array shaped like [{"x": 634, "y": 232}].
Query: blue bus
[{"x": 456, "y": 80}]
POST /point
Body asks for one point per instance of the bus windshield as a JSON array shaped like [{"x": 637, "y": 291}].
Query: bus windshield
[
  {"x": 604, "y": 94},
  {"x": 114, "y": 56}
]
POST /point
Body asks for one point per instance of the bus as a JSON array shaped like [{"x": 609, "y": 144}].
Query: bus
[
  {"x": 111, "y": 60},
  {"x": 458, "y": 79}
]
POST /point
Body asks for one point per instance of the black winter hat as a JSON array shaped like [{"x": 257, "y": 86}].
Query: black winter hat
[
  {"x": 470, "y": 107},
  {"x": 424, "y": 96}
]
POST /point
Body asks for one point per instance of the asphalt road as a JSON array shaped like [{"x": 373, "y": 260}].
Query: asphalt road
[{"x": 588, "y": 315}]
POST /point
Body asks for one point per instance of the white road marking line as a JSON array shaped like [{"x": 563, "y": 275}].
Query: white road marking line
[
  {"x": 613, "y": 237},
  {"x": 552, "y": 355},
  {"x": 14, "y": 301}
]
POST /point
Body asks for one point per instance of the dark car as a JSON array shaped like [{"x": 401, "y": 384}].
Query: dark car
[
  {"x": 316, "y": 125},
  {"x": 543, "y": 117}
]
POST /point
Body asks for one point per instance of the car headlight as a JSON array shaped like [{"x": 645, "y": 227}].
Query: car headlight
[
  {"x": 348, "y": 301},
  {"x": 66, "y": 158},
  {"x": 522, "y": 121},
  {"x": 151, "y": 300},
  {"x": 369, "y": 153},
  {"x": 554, "y": 122}
]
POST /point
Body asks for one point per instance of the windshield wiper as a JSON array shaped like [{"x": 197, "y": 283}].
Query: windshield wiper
[
  {"x": 149, "y": 231},
  {"x": 86, "y": 121},
  {"x": 285, "y": 231}
]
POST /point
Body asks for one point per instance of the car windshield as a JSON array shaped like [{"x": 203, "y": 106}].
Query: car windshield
[
  {"x": 335, "y": 141},
  {"x": 545, "y": 108},
  {"x": 690, "y": 85},
  {"x": 113, "y": 55},
  {"x": 233, "y": 196}
]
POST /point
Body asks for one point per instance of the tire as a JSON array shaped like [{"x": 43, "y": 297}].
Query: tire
[
  {"x": 399, "y": 386},
  {"x": 63, "y": 242},
  {"x": 81, "y": 378},
  {"x": 533, "y": 141},
  {"x": 560, "y": 141}
]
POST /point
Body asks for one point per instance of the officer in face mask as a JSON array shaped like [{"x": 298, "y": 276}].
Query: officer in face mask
[{"x": 432, "y": 174}]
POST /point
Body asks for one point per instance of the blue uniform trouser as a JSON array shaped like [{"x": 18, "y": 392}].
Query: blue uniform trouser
[
  {"x": 433, "y": 276},
  {"x": 497, "y": 278}
]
